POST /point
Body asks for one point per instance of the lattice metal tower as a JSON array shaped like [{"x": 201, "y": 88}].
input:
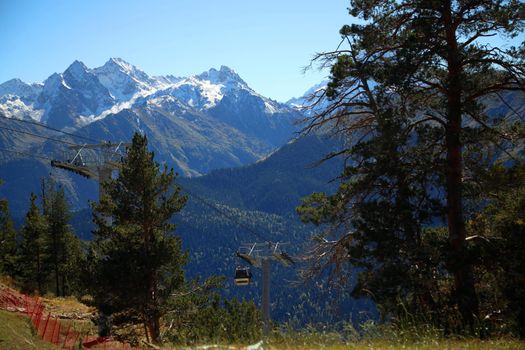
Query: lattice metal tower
[{"x": 96, "y": 161}]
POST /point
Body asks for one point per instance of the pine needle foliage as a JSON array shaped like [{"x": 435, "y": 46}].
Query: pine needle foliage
[{"x": 138, "y": 259}]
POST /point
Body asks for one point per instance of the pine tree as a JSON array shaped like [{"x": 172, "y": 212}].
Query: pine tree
[
  {"x": 432, "y": 58},
  {"x": 32, "y": 266},
  {"x": 73, "y": 265},
  {"x": 380, "y": 213},
  {"x": 139, "y": 260},
  {"x": 59, "y": 232},
  {"x": 502, "y": 225},
  {"x": 7, "y": 240}
]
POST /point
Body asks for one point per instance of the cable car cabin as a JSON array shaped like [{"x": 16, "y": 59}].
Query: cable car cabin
[{"x": 243, "y": 276}]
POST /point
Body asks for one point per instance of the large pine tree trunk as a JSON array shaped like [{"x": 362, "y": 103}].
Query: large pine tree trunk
[
  {"x": 463, "y": 277},
  {"x": 153, "y": 324},
  {"x": 465, "y": 290}
]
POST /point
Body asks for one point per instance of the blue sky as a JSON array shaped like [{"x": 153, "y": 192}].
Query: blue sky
[{"x": 267, "y": 42}]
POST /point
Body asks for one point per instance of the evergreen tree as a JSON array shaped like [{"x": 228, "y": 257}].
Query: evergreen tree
[
  {"x": 58, "y": 234},
  {"x": 139, "y": 260},
  {"x": 432, "y": 58},
  {"x": 73, "y": 265},
  {"x": 7, "y": 240},
  {"x": 380, "y": 213},
  {"x": 32, "y": 266},
  {"x": 502, "y": 262}
]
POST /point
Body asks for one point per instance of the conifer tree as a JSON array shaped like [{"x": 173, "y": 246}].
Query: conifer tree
[
  {"x": 432, "y": 58},
  {"x": 7, "y": 240},
  {"x": 32, "y": 257},
  {"x": 58, "y": 234},
  {"x": 139, "y": 260}
]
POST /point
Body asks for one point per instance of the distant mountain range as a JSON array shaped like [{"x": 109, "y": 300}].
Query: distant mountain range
[
  {"x": 199, "y": 123},
  {"x": 195, "y": 124}
]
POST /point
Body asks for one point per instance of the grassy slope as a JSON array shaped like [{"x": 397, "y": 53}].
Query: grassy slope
[{"x": 16, "y": 333}]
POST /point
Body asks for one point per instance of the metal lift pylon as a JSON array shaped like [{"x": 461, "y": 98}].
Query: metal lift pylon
[
  {"x": 261, "y": 255},
  {"x": 92, "y": 164}
]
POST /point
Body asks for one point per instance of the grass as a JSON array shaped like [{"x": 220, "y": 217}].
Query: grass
[
  {"x": 471, "y": 344},
  {"x": 17, "y": 334},
  {"x": 423, "y": 345},
  {"x": 324, "y": 342}
]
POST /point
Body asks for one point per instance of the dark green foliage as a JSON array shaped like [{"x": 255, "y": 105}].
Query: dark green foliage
[
  {"x": 8, "y": 247},
  {"x": 410, "y": 92},
  {"x": 32, "y": 268},
  {"x": 500, "y": 244},
  {"x": 50, "y": 257},
  {"x": 7, "y": 240},
  {"x": 138, "y": 259},
  {"x": 277, "y": 184},
  {"x": 380, "y": 211},
  {"x": 62, "y": 246}
]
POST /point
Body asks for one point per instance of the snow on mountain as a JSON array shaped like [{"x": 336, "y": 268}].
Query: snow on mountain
[
  {"x": 206, "y": 90},
  {"x": 17, "y": 87},
  {"x": 68, "y": 95},
  {"x": 124, "y": 80},
  {"x": 80, "y": 95},
  {"x": 17, "y": 99},
  {"x": 197, "y": 124},
  {"x": 167, "y": 79},
  {"x": 305, "y": 103},
  {"x": 14, "y": 107}
]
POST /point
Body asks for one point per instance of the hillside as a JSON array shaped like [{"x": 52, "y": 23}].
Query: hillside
[{"x": 276, "y": 184}]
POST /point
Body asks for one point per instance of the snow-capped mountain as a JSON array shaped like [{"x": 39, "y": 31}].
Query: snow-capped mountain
[
  {"x": 75, "y": 92},
  {"x": 124, "y": 80},
  {"x": 17, "y": 87},
  {"x": 17, "y": 99},
  {"x": 198, "y": 123},
  {"x": 80, "y": 95},
  {"x": 307, "y": 103}
]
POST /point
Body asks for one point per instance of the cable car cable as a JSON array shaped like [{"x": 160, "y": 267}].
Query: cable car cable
[
  {"x": 25, "y": 154},
  {"x": 40, "y": 136},
  {"x": 50, "y": 128}
]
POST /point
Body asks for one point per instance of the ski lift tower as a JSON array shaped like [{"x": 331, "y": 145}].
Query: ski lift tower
[
  {"x": 261, "y": 255},
  {"x": 96, "y": 161}
]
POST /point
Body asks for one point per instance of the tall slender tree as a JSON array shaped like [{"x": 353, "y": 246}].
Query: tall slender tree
[
  {"x": 63, "y": 248},
  {"x": 7, "y": 240},
  {"x": 59, "y": 232},
  {"x": 434, "y": 56},
  {"x": 33, "y": 270},
  {"x": 139, "y": 260}
]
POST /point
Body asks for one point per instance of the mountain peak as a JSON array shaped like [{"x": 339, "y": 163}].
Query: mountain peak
[
  {"x": 77, "y": 69},
  {"x": 222, "y": 76},
  {"x": 120, "y": 64},
  {"x": 19, "y": 88},
  {"x": 11, "y": 85},
  {"x": 14, "y": 81},
  {"x": 226, "y": 69},
  {"x": 122, "y": 79}
]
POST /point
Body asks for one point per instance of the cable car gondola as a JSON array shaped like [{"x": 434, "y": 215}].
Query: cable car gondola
[{"x": 243, "y": 276}]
